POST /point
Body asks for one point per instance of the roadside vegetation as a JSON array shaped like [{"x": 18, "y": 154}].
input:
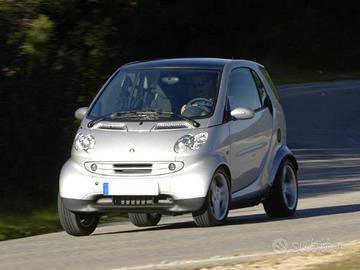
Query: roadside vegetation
[
  {"x": 25, "y": 224},
  {"x": 290, "y": 74}
]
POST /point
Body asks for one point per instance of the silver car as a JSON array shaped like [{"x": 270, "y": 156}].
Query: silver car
[{"x": 177, "y": 136}]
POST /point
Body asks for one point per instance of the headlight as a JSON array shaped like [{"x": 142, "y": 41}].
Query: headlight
[
  {"x": 193, "y": 142},
  {"x": 84, "y": 142}
]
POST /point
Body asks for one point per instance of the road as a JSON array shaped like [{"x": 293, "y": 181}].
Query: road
[{"x": 324, "y": 132}]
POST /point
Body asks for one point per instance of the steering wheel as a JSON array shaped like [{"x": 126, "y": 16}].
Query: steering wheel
[{"x": 202, "y": 103}]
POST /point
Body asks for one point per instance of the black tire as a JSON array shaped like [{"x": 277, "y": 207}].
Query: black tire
[
  {"x": 206, "y": 216},
  {"x": 76, "y": 224},
  {"x": 277, "y": 203},
  {"x": 144, "y": 219}
]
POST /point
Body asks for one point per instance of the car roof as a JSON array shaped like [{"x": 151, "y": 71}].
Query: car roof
[{"x": 208, "y": 63}]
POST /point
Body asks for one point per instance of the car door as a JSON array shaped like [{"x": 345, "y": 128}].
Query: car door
[{"x": 249, "y": 138}]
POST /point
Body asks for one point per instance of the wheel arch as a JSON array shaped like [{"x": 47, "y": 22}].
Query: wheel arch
[
  {"x": 226, "y": 168},
  {"x": 293, "y": 160},
  {"x": 282, "y": 154}
]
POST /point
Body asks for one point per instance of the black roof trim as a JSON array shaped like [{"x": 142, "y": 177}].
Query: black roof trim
[{"x": 179, "y": 63}]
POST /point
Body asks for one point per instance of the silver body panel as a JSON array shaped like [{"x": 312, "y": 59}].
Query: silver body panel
[{"x": 249, "y": 149}]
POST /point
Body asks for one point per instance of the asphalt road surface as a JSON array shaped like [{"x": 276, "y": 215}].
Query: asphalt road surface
[{"x": 323, "y": 131}]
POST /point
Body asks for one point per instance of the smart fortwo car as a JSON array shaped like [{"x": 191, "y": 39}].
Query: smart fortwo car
[{"x": 179, "y": 136}]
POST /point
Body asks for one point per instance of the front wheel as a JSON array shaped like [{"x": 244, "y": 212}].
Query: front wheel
[
  {"x": 76, "y": 224},
  {"x": 216, "y": 206},
  {"x": 144, "y": 219},
  {"x": 283, "y": 197}
]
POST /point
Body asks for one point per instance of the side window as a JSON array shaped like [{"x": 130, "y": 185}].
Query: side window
[
  {"x": 260, "y": 87},
  {"x": 242, "y": 91}
]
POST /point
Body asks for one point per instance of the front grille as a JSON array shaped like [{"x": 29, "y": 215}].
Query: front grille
[{"x": 134, "y": 168}]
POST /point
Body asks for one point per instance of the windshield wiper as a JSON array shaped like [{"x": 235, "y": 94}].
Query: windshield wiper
[
  {"x": 140, "y": 114},
  {"x": 187, "y": 119}
]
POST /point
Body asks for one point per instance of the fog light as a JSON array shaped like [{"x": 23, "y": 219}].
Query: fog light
[
  {"x": 172, "y": 166},
  {"x": 93, "y": 167}
]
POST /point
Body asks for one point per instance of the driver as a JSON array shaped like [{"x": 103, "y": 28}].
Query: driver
[{"x": 203, "y": 87}]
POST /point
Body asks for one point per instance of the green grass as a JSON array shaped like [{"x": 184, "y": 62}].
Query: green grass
[
  {"x": 286, "y": 75},
  {"x": 38, "y": 222},
  {"x": 27, "y": 224}
]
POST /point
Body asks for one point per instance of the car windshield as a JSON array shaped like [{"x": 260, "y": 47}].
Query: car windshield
[{"x": 184, "y": 92}]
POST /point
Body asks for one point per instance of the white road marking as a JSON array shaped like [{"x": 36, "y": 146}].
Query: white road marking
[{"x": 328, "y": 160}]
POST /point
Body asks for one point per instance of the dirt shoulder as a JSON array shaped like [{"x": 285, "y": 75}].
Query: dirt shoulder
[{"x": 339, "y": 257}]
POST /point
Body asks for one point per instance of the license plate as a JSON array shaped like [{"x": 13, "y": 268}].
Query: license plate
[{"x": 110, "y": 189}]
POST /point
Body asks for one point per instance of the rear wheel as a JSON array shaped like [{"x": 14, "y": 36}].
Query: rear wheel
[
  {"x": 76, "y": 224},
  {"x": 144, "y": 219},
  {"x": 283, "y": 196},
  {"x": 216, "y": 206}
]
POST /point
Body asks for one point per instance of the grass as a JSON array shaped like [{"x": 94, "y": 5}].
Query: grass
[
  {"x": 38, "y": 222},
  {"x": 286, "y": 75},
  {"x": 27, "y": 224}
]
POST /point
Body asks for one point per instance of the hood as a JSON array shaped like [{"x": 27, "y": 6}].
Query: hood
[{"x": 135, "y": 141}]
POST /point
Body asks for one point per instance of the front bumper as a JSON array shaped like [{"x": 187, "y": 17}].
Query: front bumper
[
  {"x": 187, "y": 188},
  {"x": 113, "y": 204}
]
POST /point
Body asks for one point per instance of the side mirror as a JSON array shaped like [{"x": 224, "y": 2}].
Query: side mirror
[
  {"x": 80, "y": 113},
  {"x": 242, "y": 113}
]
